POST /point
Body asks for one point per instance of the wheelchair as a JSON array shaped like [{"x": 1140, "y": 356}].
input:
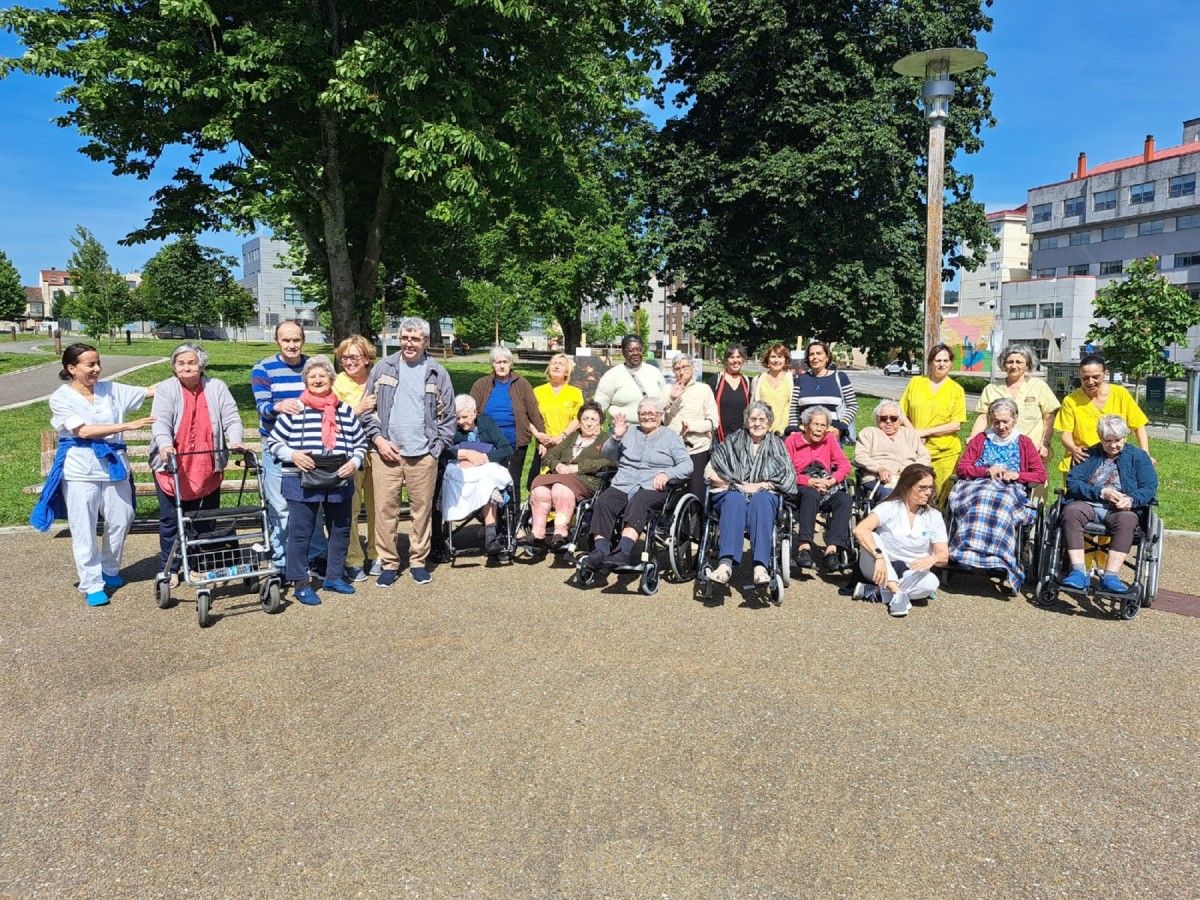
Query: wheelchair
[
  {"x": 673, "y": 532},
  {"x": 506, "y": 530},
  {"x": 1145, "y": 561},
  {"x": 1030, "y": 540},
  {"x": 847, "y": 557},
  {"x": 779, "y": 567},
  {"x": 578, "y": 534}
]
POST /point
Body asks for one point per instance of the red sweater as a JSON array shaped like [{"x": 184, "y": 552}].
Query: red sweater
[
  {"x": 828, "y": 453},
  {"x": 1033, "y": 471}
]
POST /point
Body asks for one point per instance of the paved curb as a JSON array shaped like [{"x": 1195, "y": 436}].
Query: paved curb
[{"x": 154, "y": 362}]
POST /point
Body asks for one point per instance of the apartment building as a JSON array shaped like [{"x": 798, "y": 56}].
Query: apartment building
[
  {"x": 275, "y": 288},
  {"x": 979, "y": 291}
]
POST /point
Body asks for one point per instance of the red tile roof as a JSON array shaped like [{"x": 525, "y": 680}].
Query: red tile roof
[
  {"x": 1129, "y": 162},
  {"x": 1002, "y": 213}
]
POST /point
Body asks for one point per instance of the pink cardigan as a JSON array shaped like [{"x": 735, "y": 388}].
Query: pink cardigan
[
  {"x": 1033, "y": 471},
  {"x": 828, "y": 453}
]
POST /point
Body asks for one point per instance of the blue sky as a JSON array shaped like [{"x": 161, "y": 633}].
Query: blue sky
[{"x": 1071, "y": 76}]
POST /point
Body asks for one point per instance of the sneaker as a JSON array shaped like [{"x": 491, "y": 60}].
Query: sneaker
[
  {"x": 374, "y": 568},
  {"x": 112, "y": 582},
  {"x": 338, "y": 586},
  {"x": 804, "y": 559},
  {"x": 1076, "y": 580},
  {"x": 1111, "y": 583},
  {"x": 387, "y": 578},
  {"x": 899, "y": 605},
  {"x": 97, "y": 598},
  {"x": 420, "y": 575},
  {"x": 354, "y": 573},
  {"x": 866, "y": 591},
  {"x": 307, "y": 596},
  {"x": 720, "y": 574}
]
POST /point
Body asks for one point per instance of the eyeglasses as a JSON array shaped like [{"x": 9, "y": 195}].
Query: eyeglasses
[
  {"x": 889, "y": 418},
  {"x": 348, "y": 357},
  {"x": 924, "y": 488}
]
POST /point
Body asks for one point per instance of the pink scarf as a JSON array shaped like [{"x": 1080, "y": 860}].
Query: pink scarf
[{"x": 327, "y": 404}]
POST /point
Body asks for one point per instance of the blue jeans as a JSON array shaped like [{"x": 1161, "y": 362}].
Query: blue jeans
[
  {"x": 740, "y": 513},
  {"x": 304, "y": 521},
  {"x": 277, "y": 516}
]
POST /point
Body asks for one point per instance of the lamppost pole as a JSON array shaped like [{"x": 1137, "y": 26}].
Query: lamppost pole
[{"x": 936, "y": 67}]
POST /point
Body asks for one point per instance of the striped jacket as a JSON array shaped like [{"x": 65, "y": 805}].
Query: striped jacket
[{"x": 302, "y": 431}]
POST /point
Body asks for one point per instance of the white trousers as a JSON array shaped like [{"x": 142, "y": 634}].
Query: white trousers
[
  {"x": 913, "y": 583},
  {"x": 85, "y": 501}
]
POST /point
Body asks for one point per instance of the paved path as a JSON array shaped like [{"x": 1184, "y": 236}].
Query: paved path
[
  {"x": 500, "y": 734},
  {"x": 32, "y": 385}
]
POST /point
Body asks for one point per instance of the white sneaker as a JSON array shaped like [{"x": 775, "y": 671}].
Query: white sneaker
[
  {"x": 866, "y": 591},
  {"x": 761, "y": 576},
  {"x": 899, "y": 605},
  {"x": 720, "y": 574}
]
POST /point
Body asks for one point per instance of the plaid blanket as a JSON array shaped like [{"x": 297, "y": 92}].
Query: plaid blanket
[{"x": 987, "y": 516}]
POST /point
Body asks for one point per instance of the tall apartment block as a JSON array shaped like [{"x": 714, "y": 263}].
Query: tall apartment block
[{"x": 979, "y": 291}]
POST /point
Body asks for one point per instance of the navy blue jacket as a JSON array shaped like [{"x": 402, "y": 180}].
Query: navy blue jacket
[{"x": 1138, "y": 478}]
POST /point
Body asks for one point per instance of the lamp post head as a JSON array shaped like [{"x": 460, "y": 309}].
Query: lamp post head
[{"x": 936, "y": 67}]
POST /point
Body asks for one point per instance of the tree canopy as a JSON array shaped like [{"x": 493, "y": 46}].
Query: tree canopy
[
  {"x": 790, "y": 191},
  {"x": 1146, "y": 314},
  {"x": 12, "y": 293},
  {"x": 186, "y": 283},
  {"x": 102, "y": 300}
]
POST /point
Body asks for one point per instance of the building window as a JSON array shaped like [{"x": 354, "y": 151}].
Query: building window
[
  {"x": 1184, "y": 260},
  {"x": 1047, "y": 243},
  {"x": 997, "y": 228},
  {"x": 1154, "y": 227},
  {"x": 1141, "y": 193},
  {"x": 1046, "y": 273},
  {"x": 1080, "y": 237},
  {"x": 251, "y": 256},
  {"x": 1041, "y": 213},
  {"x": 271, "y": 319},
  {"x": 1183, "y": 185},
  {"x": 1193, "y": 291},
  {"x": 994, "y": 286},
  {"x": 995, "y": 267},
  {"x": 292, "y": 295},
  {"x": 1050, "y": 310},
  {"x": 1113, "y": 233},
  {"x": 1023, "y": 311},
  {"x": 1102, "y": 200},
  {"x": 1185, "y": 222},
  {"x": 1081, "y": 269},
  {"x": 1073, "y": 207},
  {"x": 1112, "y": 267},
  {"x": 1040, "y": 346}
]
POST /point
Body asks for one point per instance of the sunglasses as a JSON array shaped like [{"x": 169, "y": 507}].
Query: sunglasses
[{"x": 889, "y": 418}]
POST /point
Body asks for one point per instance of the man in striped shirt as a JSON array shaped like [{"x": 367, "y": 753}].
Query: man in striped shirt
[{"x": 277, "y": 385}]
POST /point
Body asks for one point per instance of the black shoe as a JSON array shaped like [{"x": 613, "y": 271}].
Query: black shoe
[
  {"x": 595, "y": 559},
  {"x": 832, "y": 562},
  {"x": 617, "y": 559},
  {"x": 804, "y": 559},
  {"x": 557, "y": 542}
]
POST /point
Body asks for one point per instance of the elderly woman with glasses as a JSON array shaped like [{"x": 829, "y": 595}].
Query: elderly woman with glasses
[
  {"x": 1036, "y": 403},
  {"x": 194, "y": 415},
  {"x": 883, "y": 450},
  {"x": 476, "y": 470},
  {"x": 989, "y": 501},
  {"x": 356, "y": 355},
  {"x": 900, "y": 543},
  {"x": 749, "y": 473},
  {"x": 692, "y": 414},
  {"x": 1079, "y": 417},
  {"x": 647, "y": 458},
  {"x": 508, "y": 400},
  {"x": 1109, "y": 485}
]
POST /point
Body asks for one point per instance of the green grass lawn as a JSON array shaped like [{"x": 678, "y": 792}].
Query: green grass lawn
[
  {"x": 1179, "y": 492},
  {"x": 12, "y": 362}
]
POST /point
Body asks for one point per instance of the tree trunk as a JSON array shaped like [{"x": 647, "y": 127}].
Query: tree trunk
[
  {"x": 572, "y": 332},
  {"x": 435, "y": 331}
]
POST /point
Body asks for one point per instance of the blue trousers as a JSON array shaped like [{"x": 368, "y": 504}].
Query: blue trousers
[
  {"x": 304, "y": 519},
  {"x": 741, "y": 513},
  {"x": 277, "y": 515}
]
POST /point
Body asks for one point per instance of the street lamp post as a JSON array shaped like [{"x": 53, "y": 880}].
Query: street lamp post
[{"x": 936, "y": 67}]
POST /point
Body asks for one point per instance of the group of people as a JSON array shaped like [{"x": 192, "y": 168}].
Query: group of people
[{"x": 336, "y": 443}]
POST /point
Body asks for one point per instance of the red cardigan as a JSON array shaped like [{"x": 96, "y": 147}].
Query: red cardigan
[
  {"x": 1033, "y": 471},
  {"x": 828, "y": 453}
]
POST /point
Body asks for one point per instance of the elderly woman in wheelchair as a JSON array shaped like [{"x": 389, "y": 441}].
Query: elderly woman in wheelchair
[
  {"x": 476, "y": 477},
  {"x": 820, "y": 469},
  {"x": 747, "y": 475},
  {"x": 648, "y": 459},
  {"x": 1114, "y": 484},
  {"x": 990, "y": 509},
  {"x": 883, "y": 450}
]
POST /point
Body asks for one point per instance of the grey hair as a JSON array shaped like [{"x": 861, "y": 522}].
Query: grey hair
[
  {"x": 500, "y": 352},
  {"x": 412, "y": 323},
  {"x": 201, "y": 354},
  {"x": 1111, "y": 427},
  {"x": 1004, "y": 403},
  {"x": 759, "y": 406},
  {"x": 885, "y": 405},
  {"x": 808, "y": 414},
  {"x": 465, "y": 402},
  {"x": 651, "y": 401},
  {"x": 318, "y": 362},
  {"x": 1024, "y": 350}
]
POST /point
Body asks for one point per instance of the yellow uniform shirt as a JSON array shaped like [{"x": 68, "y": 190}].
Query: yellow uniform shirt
[
  {"x": 1080, "y": 416},
  {"x": 558, "y": 410}
]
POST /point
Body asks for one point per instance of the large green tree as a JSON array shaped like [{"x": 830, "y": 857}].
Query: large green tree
[
  {"x": 102, "y": 301},
  {"x": 1146, "y": 314},
  {"x": 790, "y": 193},
  {"x": 186, "y": 283},
  {"x": 350, "y": 124},
  {"x": 12, "y": 294}
]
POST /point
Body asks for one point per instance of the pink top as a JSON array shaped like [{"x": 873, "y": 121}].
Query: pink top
[
  {"x": 828, "y": 453},
  {"x": 197, "y": 475}
]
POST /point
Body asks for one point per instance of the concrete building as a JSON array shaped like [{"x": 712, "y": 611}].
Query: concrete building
[
  {"x": 275, "y": 288},
  {"x": 1051, "y": 315},
  {"x": 979, "y": 291},
  {"x": 1102, "y": 218}
]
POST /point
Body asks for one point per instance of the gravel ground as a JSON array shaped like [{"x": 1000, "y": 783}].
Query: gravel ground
[{"x": 498, "y": 733}]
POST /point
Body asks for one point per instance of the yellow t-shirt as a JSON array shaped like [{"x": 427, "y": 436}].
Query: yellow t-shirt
[
  {"x": 558, "y": 410},
  {"x": 1035, "y": 401},
  {"x": 779, "y": 398},
  {"x": 1079, "y": 415},
  {"x": 348, "y": 390},
  {"x": 927, "y": 408}
]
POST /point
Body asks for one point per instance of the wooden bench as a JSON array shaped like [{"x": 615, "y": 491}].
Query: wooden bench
[{"x": 525, "y": 354}]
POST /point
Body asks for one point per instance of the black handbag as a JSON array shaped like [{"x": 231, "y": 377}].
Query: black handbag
[{"x": 324, "y": 475}]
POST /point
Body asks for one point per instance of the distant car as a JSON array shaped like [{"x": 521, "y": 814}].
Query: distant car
[{"x": 899, "y": 367}]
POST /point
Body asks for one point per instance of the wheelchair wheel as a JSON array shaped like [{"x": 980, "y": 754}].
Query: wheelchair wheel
[
  {"x": 775, "y": 589},
  {"x": 1131, "y": 602},
  {"x": 683, "y": 537},
  {"x": 784, "y": 542},
  {"x": 1046, "y": 591},
  {"x": 649, "y": 581},
  {"x": 1050, "y": 559},
  {"x": 1153, "y": 546}
]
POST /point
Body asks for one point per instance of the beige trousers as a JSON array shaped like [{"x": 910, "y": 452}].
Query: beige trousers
[{"x": 418, "y": 474}]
